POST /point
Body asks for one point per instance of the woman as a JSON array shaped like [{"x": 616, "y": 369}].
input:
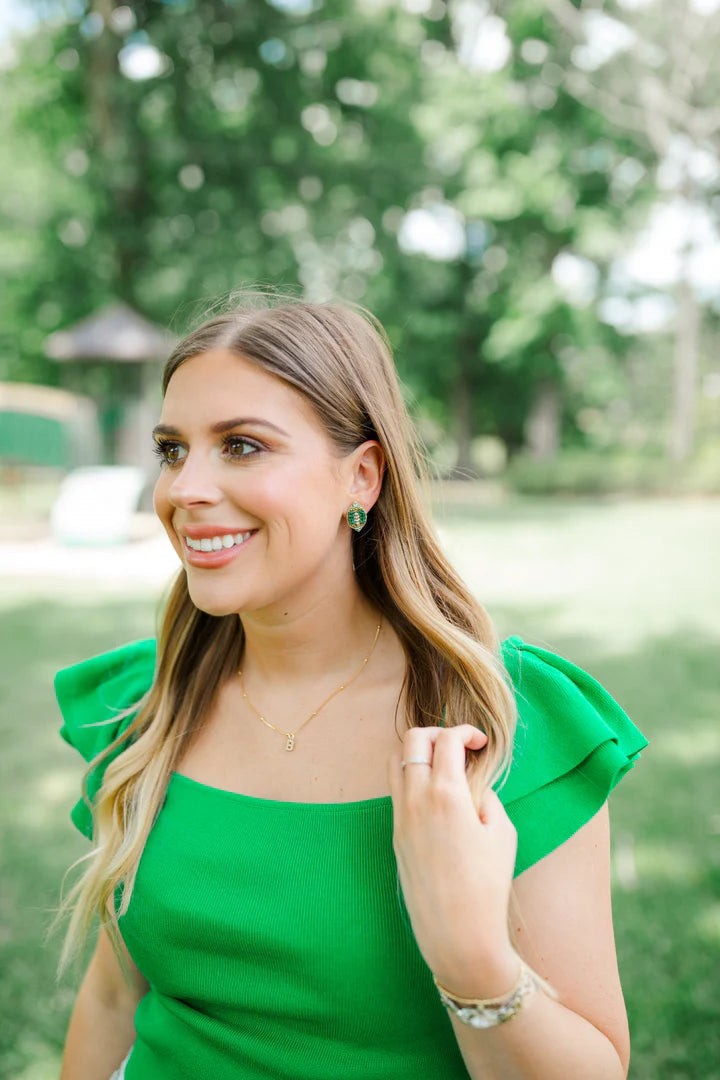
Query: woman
[{"x": 332, "y": 848}]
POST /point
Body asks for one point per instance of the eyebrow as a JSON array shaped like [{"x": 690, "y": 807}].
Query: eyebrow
[{"x": 223, "y": 425}]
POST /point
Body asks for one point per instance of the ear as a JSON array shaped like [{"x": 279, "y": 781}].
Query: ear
[{"x": 366, "y": 468}]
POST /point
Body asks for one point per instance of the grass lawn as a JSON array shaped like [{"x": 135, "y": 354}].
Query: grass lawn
[{"x": 626, "y": 589}]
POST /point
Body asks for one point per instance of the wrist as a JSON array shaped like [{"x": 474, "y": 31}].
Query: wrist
[
  {"x": 489, "y": 1012},
  {"x": 492, "y": 976}
]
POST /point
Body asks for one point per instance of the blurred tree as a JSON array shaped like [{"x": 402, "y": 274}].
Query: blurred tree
[
  {"x": 189, "y": 148},
  {"x": 651, "y": 69},
  {"x": 525, "y": 171},
  {"x": 428, "y": 161}
]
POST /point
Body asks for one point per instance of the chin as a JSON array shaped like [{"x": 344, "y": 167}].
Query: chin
[{"x": 218, "y": 609}]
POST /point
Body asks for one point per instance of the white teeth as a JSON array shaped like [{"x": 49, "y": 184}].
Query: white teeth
[{"x": 217, "y": 543}]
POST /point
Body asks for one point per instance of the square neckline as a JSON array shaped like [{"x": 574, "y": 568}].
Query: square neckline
[
  {"x": 285, "y": 804},
  {"x": 294, "y": 804}
]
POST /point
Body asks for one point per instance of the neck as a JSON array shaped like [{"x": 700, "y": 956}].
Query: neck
[{"x": 324, "y": 642}]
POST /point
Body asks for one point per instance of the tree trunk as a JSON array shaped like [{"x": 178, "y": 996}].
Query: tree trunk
[
  {"x": 120, "y": 165},
  {"x": 468, "y": 362},
  {"x": 542, "y": 426},
  {"x": 101, "y": 72},
  {"x": 462, "y": 426},
  {"x": 687, "y": 332}
]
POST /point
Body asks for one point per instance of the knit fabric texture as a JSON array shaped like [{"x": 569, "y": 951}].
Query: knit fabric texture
[{"x": 274, "y": 935}]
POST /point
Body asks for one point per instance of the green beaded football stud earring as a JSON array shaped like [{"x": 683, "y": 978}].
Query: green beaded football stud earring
[{"x": 356, "y": 516}]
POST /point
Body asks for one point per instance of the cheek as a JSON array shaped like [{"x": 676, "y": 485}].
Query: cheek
[
  {"x": 159, "y": 498},
  {"x": 162, "y": 505},
  {"x": 304, "y": 485},
  {"x": 274, "y": 496}
]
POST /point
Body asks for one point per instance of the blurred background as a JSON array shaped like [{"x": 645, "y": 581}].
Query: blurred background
[{"x": 527, "y": 195}]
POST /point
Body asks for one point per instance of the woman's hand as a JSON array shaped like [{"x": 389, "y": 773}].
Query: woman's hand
[{"x": 455, "y": 861}]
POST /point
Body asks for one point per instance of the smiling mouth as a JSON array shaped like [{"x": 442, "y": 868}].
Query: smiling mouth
[{"x": 218, "y": 543}]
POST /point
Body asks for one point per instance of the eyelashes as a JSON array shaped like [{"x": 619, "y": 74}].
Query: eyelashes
[{"x": 163, "y": 447}]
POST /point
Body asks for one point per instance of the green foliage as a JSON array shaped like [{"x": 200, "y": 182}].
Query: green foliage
[
  {"x": 275, "y": 147},
  {"x": 588, "y": 472}
]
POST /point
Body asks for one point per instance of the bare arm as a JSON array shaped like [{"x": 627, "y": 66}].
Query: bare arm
[
  {"x": 455, "y": 863},
  {"x": 567, "y": 936},
  {"x": 102, "y": 1025}
]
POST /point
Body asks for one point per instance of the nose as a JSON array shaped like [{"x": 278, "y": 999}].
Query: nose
[{"x": 195, "y": 482}]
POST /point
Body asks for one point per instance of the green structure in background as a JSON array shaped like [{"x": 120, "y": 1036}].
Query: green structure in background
[
  {"x": 44, "y": 426},
  {"x": 115, "y": 356}
]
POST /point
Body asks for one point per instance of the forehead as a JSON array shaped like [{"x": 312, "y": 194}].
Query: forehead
[{"x": 220, "y": 383}]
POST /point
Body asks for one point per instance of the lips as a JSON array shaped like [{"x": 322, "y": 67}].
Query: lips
[
  {"x": 207, "y": 532},
  {"x": 215, "y": 558}
]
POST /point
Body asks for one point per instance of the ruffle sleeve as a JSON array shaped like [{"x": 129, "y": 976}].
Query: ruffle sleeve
[
  {"x": 573, "y": 744},
  {"x": 97, "y": 689}
]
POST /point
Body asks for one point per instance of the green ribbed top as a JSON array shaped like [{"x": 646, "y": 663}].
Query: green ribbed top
[{"x": 273, "y": 934}]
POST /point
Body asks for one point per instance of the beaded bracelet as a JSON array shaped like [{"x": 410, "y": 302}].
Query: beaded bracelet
[{"x": 489, "y": 1012}]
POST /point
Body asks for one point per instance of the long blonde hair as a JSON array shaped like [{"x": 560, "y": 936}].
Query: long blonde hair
[{"x": 338, "y": 355}]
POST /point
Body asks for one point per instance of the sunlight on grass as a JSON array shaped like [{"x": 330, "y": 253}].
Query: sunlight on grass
[
  {"x": 707, "y": 924},
  {"x": 624, "y": 867},
  {"x": 54, "y": 787},
  {"x": 689, "y": 745},
  {"x": 53, "y": 791},
  {"x": 43, "y": 1065},
  {"x": 666, "y": 862},
  {"x": 623, "y": 568}
]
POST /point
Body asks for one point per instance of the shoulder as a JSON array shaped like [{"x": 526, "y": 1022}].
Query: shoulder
[
  {"x": 96, "y": 698},
  {"x": 572, "y": 745},
  {"x": 97, "y": 688}
]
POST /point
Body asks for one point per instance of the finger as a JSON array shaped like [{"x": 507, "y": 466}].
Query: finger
[
  {"x": 418, "y": 743},
  {"x": 491, "y": 810},
  {"x": 449, "y": 757}
]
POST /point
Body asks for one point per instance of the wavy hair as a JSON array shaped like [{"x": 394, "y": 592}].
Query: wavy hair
[{"x": 338, "y": 355}]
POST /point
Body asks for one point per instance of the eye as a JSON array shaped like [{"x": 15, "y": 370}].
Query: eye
[
  {"x": 162, "y": 447},
  {"x": 237, "y": 440},
  {"x": 167, "y": 450}
]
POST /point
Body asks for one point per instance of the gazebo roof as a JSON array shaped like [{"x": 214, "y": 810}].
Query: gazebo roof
[{"x": 115, "y": 333}]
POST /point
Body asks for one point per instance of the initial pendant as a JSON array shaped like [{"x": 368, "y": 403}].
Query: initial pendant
[{"x": 290, "y": 744}]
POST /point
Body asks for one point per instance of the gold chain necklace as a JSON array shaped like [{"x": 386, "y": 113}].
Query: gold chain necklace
[{"x": 290, "y": 735}]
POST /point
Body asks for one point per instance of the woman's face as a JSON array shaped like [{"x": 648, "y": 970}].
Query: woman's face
[{"x": 222, "y": 474}]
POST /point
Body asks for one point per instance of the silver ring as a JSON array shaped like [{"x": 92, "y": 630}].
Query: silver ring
[{"x": 415, "y": 761}]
